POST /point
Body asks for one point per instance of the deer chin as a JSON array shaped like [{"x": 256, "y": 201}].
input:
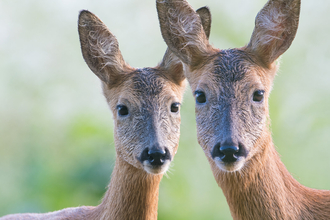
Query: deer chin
[
  {"x": 231, "y": 166},
  {"x": 156, "y": 169}
]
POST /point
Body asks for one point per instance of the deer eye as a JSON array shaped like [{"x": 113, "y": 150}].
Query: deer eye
[
  {"x": 175, "y": 107},
  {"x": 122, "y": 110},
  {"x": 200, "y": 97},
  {"x": 258, "y": 95}
]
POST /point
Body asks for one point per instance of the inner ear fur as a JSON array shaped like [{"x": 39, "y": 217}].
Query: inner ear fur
[
  {"x": 206, "y": 19},
  {"x": 275, "y": 28},
  {"x": 182, "y": 30},
  {"x": 171, "y": 63},
  {"x": 100, "y": 48}
]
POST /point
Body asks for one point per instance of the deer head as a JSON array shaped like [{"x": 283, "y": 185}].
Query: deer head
[
  {"x": 145, "y": 102},
  {"x": 231, "y": 87}
]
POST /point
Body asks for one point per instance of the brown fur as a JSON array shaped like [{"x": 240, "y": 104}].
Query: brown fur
[
  {"x": 257, "y": 185},
  {"x": 192, "y": 50},
  {"x": 119, "y": 202},
  {"x": 148, "y": 93}
]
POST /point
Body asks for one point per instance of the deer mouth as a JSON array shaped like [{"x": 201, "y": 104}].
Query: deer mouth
[{"x": 160, "y": 169}]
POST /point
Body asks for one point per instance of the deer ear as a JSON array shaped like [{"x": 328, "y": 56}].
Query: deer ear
[
  {"x": 275, "y": 28},
  {"x": 171, "y": 63},
  {"x": 100, "y": 48},
  {"x": 182, "y": 31},
  {"x": 172, "y": 66},
  {"x": 206, "y": 19}
]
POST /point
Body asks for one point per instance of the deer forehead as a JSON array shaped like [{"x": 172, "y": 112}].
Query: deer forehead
[
  {"x": 228, "y": 74},
  {"x": 145, "y": 83},
  {"x": 146, "y": 88}
]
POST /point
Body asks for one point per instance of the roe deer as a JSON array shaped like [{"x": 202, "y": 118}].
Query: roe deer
[
  {"x": 145, "y": 104},
  {"x": 231, "y": 88}
]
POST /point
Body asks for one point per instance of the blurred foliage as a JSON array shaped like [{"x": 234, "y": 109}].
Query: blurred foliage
[{"x": 56, "y": 141}]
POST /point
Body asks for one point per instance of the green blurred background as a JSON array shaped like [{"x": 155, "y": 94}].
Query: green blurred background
[{"x": 56, "y": 131}]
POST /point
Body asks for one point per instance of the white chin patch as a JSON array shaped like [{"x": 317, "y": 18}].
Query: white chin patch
[
  {"x": 156, "y": 169},
  {"x": 229, "y": 167}
]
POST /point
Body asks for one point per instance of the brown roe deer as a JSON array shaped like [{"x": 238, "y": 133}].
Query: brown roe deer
[
  {"x": 231, "y": 88},
  {"x": 145, "y": 104}
]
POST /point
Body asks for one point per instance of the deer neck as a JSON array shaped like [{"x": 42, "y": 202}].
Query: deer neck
[
  {"x": 264, "y": 189},
  {"x": 132, "y": 194}
]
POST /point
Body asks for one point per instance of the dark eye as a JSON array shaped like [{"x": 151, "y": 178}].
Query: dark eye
[
  {"x": 200, "y": 97},
  {"x": 175, "y": 107},
  {"x": 122, "y": 110},
  {"x": 258, "y": 95}
]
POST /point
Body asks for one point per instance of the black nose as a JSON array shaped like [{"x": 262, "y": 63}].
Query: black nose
[
  {"x": 155, "y": 156},
  {"x": 227, "y": 152}
]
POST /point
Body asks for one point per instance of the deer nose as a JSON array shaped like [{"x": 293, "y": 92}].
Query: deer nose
[
  {"x": 227, "y": 152},
  {"x": 157, "y": 156}
]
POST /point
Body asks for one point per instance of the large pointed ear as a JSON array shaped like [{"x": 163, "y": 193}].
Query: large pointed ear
[
  {"x": 100, "y": 49},
  {"x": 182, "y": 31},
  {"x": 275, "y": 28},
  {"x": 206, "y": 19},
  {"x": 171, "y": 63}
]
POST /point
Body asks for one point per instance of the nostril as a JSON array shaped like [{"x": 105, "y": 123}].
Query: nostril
[{"x": 216, "y": 151}]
